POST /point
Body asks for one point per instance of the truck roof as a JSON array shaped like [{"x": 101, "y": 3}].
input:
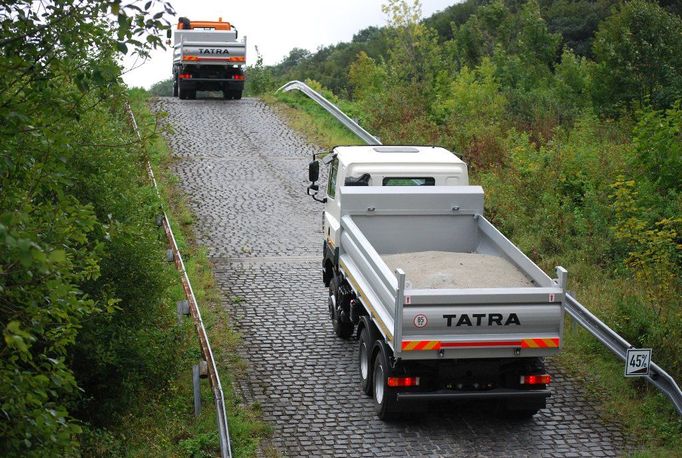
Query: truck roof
[{"x": 395, "y": 154}]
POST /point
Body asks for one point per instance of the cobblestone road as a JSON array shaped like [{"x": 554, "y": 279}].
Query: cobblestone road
[{"x": 244, "y": 171}]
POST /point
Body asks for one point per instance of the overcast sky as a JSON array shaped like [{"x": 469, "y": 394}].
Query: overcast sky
[{"x": 276, "y": 27}]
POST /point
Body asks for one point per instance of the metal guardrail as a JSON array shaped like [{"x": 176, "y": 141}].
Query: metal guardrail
[
  {"x": 619, "y": 346},
  {"x": 332, "y": 109},
  {"x": 207, "y": 353},
  {"x": 607, "y": 336}
]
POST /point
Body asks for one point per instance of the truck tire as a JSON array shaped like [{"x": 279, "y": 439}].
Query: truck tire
[
  {"x": 227, "y": 94},
  {"x": 385, "y": 399},
  {"x": 192, "y": 94},
  {"x": 182, "y": 92},
  {"x": 237, "y": 95},
  {"x": 175, "y": 87},
  {"x": 365, "y": 361},
  {"x": 342, "y": 328}
]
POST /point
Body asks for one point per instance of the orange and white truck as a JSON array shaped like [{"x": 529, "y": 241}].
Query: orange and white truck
[{"x": 207, "y": 56}]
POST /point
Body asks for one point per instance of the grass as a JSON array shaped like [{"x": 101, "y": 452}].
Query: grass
[
  {"x": 647, "y": 416},
  {"x": 164, "y": 423},
  {"x": 308, "y": 118}
]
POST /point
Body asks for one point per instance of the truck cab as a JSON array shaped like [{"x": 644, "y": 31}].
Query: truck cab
[{"x": 386, "y": 166}]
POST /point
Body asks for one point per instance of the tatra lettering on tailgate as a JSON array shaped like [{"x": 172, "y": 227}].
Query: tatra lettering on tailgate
[
  {"x": 213, "y": 51},
  {"x": 482, "y": 319}
]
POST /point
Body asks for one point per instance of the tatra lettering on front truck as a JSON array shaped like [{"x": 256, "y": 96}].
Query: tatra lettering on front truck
[
  {"x": 444, "y": 306},
  {"x": 207, "y": 57}
]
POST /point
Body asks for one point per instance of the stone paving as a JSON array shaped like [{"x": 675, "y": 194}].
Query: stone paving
[{"x": 245, "y": 173}]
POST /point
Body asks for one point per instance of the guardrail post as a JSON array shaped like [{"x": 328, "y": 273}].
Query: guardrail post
[
  {"x": 182, "y": 309},
  {"x": 196, "y": 383},
  {"x": 170, "y": 256}
]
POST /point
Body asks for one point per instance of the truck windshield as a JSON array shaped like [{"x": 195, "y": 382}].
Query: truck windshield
[{"x": 409, "y": 181}]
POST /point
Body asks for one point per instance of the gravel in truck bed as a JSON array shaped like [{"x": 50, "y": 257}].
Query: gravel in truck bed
[{"x": 448, "y": 269}]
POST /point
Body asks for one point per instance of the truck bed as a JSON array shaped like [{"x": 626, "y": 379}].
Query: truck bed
[
  {"x": 446, "y": 269},
  {"x": 440, "y": 280}
]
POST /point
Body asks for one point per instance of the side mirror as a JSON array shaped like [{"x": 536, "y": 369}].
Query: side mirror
[
  {"x": 314, "y": 171},
  {"x": 168, "y": 33}
]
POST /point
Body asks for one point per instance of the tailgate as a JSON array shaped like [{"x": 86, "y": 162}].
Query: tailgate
[
  {"x": 212, "y": 52},
  {"x": 481, "y": 323}
]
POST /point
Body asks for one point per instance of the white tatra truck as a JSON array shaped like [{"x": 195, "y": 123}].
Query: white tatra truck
[
  {"x": 207, "y": 56},
  {"x": 444, "y": 307}
]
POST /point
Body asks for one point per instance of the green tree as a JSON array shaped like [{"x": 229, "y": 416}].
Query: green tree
[{"x": 638, "y": 52}]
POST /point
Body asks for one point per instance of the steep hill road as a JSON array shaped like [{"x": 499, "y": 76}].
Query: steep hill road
[{"x": 244, "y": 172}]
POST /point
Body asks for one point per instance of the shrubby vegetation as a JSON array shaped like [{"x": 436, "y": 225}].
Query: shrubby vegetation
[
  {"x": 569, "y": 113},
  {"x": 163, "y": 88},
  {"x": 82, "y": 280}
]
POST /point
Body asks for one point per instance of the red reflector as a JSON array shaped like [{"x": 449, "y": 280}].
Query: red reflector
[
  {"x": 543, "y": 379},
  {"x": 238, "y": 77},
  {"x": 185, "y": 76},
  {"x": 395, "y": 382}
]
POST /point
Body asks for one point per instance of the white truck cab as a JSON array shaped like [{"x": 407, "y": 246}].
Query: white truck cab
[{"x": 386, "y": 166}]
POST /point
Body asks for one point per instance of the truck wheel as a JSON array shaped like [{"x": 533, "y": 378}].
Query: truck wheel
[
  {"x": 365, "y": 361},
  {"x": 227, "y": 94},
  {"x": 237, "y": 95},
  {"x": 341, "y": 328},
  {"x": 183, "y": 92},
  {"x": 385, "y": 400},
  {"x": 192, "y": 94},
  {"x": 175, "y": 87}
]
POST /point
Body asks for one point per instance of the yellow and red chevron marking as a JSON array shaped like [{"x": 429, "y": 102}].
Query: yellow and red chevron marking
[
  {"x": 540, "y": 343},
  {"x": 410, "y": 345}
]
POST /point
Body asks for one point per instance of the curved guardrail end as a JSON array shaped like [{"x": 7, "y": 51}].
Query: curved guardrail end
[{"x": 332, "y": 109}]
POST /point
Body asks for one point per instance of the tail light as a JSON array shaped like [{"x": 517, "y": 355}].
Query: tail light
[
  {"x": 395, "y": 382},
  {"x": 238, "y": 77},
  {"x": 543, "y": 379},
  {"x": 190, "y": 58},
  {"x": 185, "y": 76}
]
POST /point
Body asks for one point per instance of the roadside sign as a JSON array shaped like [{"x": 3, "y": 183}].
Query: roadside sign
[{"x": 637, "y": 362}]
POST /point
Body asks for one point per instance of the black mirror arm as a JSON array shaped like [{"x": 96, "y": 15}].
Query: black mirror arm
[{"x": 314, "y": 195}]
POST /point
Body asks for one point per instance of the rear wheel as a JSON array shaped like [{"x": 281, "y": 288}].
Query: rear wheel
[
  {"x": 227, "y": 94},
  {"x": 175, "y": 87},
  {"x": 342, "y": 328},
  {"x": 385, "y": 400},
  {"x": 365, "y": 361},
  {"x": 192, "y": 94},
  {"x": 237, "y": 95}
]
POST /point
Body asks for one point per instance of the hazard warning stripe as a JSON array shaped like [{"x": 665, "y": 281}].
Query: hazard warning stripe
[
  {"x": 415, "y": 345},
  {"x": 410, "y": 345},
  {"x": 540, "y": 343}
]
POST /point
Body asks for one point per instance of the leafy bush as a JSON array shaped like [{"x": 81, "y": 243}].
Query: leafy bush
[
  {"x": 162, "y": 88},
  {"x": 80, "y": 251}
]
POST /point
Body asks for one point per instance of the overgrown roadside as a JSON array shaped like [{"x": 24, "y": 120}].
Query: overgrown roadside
[
  {"x": 647, "y": 415},
  {"x": 167, "y": 426}
]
